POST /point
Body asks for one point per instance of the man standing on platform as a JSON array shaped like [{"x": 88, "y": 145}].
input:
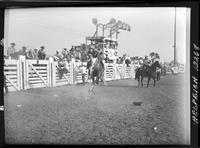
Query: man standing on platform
[
  {"x": 41, "y": 53},
  {"x": 11, "y": 51}
]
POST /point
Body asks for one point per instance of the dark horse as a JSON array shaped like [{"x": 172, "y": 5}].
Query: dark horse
[{"x": 147, "y": 71}]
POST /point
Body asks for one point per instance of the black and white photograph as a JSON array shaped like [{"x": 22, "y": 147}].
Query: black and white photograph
[{"x": 97, "y": 75}]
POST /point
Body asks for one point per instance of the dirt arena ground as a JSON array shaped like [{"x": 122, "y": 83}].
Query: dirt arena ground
[{"x": 70, "y": 115}]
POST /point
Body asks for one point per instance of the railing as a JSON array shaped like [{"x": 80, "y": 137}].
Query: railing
[{"x": 25, "y": 74}]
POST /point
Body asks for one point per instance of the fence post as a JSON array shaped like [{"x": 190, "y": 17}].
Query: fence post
[
  {"x": 51, "y": 75},
  {"x": 114, "y": 71},
  {"x": 18, "y": 76},
  {"x": 131, "y": 71},
  {"x": 26, "y": 71},
  {"x": 105, "y": 77},
  {"x": 22, "y": 72},
  {"x": 72, "y": 72},
  {"x": 53, "y": 80},
  {"x": 124, "y": 70}
]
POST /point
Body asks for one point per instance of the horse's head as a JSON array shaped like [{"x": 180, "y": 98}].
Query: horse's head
[{"x": 155, "y": 65}]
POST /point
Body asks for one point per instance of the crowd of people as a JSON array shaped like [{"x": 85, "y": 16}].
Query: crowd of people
[
  {"x": 38, "y": 54},
  {"x": 78, "y": 54}
]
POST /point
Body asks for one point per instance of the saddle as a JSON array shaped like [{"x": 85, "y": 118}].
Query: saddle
[{"x": 144, "y": 67}]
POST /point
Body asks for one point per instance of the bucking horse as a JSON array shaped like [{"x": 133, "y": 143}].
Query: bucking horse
[
  {"x": 62, "y": 66},
  {"x": 97, "y": 73}
]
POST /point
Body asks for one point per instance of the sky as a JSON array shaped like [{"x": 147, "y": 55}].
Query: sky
[{"x": 152, "y": 29}]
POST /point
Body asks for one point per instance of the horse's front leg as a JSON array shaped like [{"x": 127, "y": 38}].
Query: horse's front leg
[
  {"x": 141, "y": 81},
  {"x": 93, "y": 81},
  {"x": 138, "y": 81},
  {"x": 103, "y": 79},
  {"x": 97, "y": 80},
  {"x": 148, "y": 81},
  {"x": 154, "y": 82},
  {"x": 154, "y": 79}
]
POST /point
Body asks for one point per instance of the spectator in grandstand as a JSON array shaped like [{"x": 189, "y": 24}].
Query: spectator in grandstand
[
  {"x": 83, "y": 56},
  {"x": 29, "y": 54},
  {"x": 90, "y": 51},
  {"x": 69, "y": 57},
  {"x": 64, "y": 55},
  {"x": 35, "y": 54},
  {"x": 56, "y": 56},
  {"x": 41, "y": 53},
  {"x": 127, "y": 61},
  {"x": 72, "y": 52},
  {"x": 140, "y": 61},
  {"x": 23, "y": 51},
  {"x": 106, "y": 59},
  {"x": 64, "y": 52},
  {"x": 11, "y": 51}
]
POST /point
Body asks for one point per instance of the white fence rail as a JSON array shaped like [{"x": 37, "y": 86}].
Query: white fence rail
[{"x": 24, "y": 74}]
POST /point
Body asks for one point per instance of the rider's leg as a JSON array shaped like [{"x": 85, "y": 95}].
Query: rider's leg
[{"x": 91, "y": 70}]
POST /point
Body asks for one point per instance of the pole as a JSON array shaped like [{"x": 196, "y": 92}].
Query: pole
[
  {"x": 103, "y": 31},
  {"x": 175, "y": 60}
]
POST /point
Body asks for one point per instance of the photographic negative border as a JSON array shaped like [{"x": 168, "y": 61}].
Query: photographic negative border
[{"x": 193, "y": 45}]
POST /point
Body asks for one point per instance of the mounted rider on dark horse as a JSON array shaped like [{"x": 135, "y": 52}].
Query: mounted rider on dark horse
[{"x": 148, "y": 70}]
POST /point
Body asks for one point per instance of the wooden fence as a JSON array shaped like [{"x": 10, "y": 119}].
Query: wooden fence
[{"x": 24, "y": 74}]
